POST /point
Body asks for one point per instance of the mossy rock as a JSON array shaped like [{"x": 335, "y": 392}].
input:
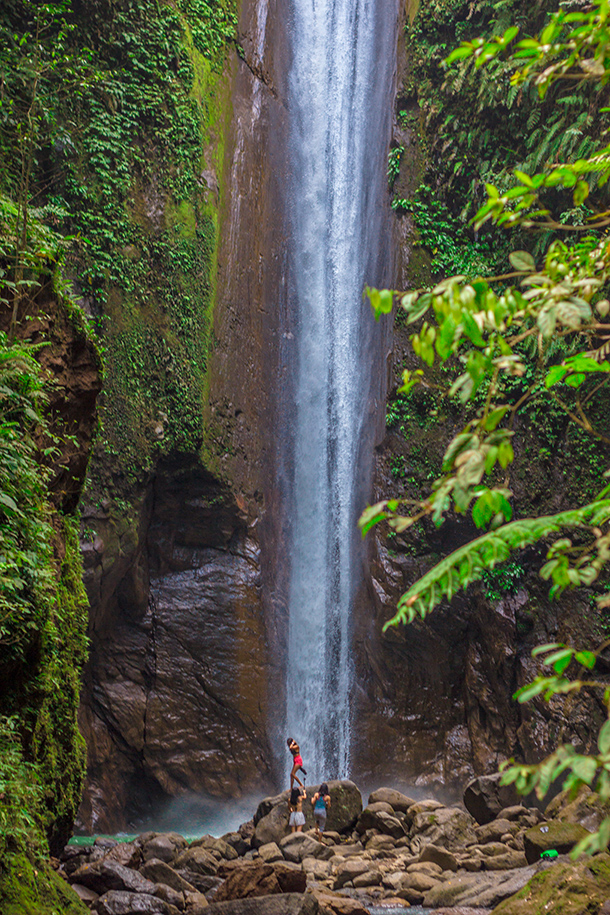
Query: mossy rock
[
  {"x": 553, "y": 834},
  {"x": 564, "y": 889},
  {"x": 35, "y": 889}
]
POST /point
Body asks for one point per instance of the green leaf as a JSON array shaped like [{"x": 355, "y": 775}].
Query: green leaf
[
  {"x": 464, "y": 50},
  {"x": 371, "y": 516},
  {"x": 560, "y": 660},
  {"x": 541, "y": 649},
  {"x": 8, "y": 501},
  {"x": 586, "y": 658},
  {"x": 584, "y": 767},
  {"x": 555, "y": 374},
  {"x": 603, "y": 740},
  {"x": 522, "y": 260},
  {"x": 581, "y": 192}
]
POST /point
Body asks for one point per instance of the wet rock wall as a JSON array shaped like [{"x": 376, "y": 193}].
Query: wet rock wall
[{"x": 181, "y": 680}]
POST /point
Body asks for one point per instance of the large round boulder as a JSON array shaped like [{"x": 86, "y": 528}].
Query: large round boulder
[
  {"x": 553, "y": 834},
  {"x": 485, "y": 797},
  {"x": 298, "y": 845},
  {"x": 396, "y": 800},
  {"x": 198, "y": 860},
  {"x": 448, "y": 827},
  {"x": 271, "y": 817}
]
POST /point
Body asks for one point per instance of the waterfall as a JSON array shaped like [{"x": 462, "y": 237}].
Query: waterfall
[{"x": 339, "y": 111}]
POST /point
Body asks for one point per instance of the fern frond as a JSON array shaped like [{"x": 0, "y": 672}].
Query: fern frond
[
  {"x": 468, "y": 563},
  {"x": 534, "y": 118}
]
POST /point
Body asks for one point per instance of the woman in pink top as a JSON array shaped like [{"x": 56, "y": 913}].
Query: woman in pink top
[{"x": 297, "y": 762}]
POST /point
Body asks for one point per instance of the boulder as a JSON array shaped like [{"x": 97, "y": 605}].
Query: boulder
[
  {"x": 316, "y": 869},
  {"x": 291, "y": 877},
  {"x": 392, "y": 881},
  {"x": 167, "y": 894},
  {"x": 163, "y": 846},
  {"x": 298, "y": 845},
  {"x": 74, "y": 851},
  {"x": 493, "y": 832},
  {"x": 273, "y": 826},
  {"x": 507, "y": 861},
  {"x": 414, "y": 886},
  {"x": 253, "y": 879},
  {"x": 236, "y": 841},
  {"x": 585, "y": 809},
  {"x": 336, "y": 904},
  {"x": 553, "y": 834},
  {"x": 484, "y": 890},
  {"x": 196, "y": 904},
  {"x": 349, "y": 869},
  {"x": 85, "y": 894},
  {"x": 266, "y": 806},
  {"x": 105, "y": 875},
  {"x": 105, "y": 842},
  {"x": 380, "y": 843},
  {"x": 436, "y": 855},
  {"x": 515, "y": 812},
  {"x": 202, "y": 882},
  {"x": 126, "y": 853},
  {"x": 197, "y": 860},
  {"x": 564, "y": 886},
  {"x": 211, "y": 843},
  {"x": 389, "y": 825},
  {"x": 485, "y": 797},
  {"x": 271, "y": 818},
  {"x": 368, "y": 819},
  {"x": 283, "y": 904},
  {"x": 371, "y": 877},
  {"x": 118, "y": 902},
  {"x": 70, "y": 866},
  {"x": 159, "y": 872},
  {"x": 395, "y": 799},
  {"x": 270, "y": 852},
  {"x": 490, "y": 848},
  {"x": 421, "y": 807},
  {"x": 448, "y": 827},
  {"x": 346, "y": 851}
]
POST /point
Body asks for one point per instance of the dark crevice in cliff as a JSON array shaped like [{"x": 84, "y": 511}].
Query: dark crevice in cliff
[{"x": 259, "y": 73}]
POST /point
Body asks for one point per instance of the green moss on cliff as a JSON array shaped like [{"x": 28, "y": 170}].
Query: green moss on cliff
[
  {"x": 43, "y": 611},
  {"x": 475, "y": 127},
  {"x": 564, "y": 889},
  {"x": 141, "y": 182},
  {"x": 35, "y": 889}
]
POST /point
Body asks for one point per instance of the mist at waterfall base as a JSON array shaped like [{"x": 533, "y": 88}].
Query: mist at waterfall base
[
  {"x": 339, "y": 90},
  {"x": 195, "y": 815}
]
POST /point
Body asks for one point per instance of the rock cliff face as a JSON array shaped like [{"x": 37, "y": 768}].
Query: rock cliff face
[
  {"x": 182, "y": 676},
  {"x": 436, "y": 701},
  {"x": 187, "y": 584}
]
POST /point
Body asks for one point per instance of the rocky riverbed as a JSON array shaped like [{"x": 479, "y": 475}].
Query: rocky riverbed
[{"x": 394, "y": 853}]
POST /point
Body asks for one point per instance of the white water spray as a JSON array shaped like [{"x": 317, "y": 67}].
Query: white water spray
[{"x": 339, "y": 100}]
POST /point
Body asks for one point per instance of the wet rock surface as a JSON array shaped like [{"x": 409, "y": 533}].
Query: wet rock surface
[
  {"x": 468, "y": 868},
  {"x": 185, "y": 652}
]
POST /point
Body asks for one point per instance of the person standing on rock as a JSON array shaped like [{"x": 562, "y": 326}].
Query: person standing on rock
[
  {"x": 320, "y": 803},
  {"x": 297, "y": 762},
  {"x": 297, "y": 817}
]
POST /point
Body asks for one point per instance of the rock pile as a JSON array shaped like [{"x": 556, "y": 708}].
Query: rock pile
[{"x": 396, "y": 848}]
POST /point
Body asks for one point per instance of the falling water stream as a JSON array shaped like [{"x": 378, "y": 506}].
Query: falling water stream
[{"x": 339, "y": 109}]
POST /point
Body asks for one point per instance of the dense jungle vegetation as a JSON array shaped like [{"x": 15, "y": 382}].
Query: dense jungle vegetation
[
  {"x": 111, "y": 136},
  {"x": 521, "y": 323},
  {"x": 111, "y": 124}
]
